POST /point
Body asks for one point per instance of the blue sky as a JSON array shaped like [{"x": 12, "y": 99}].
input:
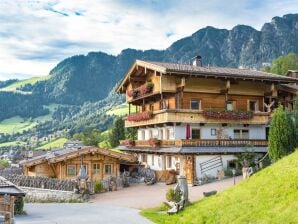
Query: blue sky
[{"x": 36, "y": 34}]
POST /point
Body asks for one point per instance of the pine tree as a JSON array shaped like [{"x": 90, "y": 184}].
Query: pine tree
[
  {"x": 117, "y": 133},
  {"x": 296, "y": 119},
  {"x": 281, "y": 140}
]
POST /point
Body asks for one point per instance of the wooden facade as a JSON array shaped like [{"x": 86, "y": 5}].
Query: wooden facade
[
  {"x": 99, "y": 164},
  {"x": 181, "y": 96}
]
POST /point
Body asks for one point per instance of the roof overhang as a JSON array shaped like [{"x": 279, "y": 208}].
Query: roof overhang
[
  {"x": 79, "y": 152},
  {"x": 135, "y": 67}
]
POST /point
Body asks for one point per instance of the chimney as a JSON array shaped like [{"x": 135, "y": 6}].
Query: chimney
[{"x": 196, "y": 61}]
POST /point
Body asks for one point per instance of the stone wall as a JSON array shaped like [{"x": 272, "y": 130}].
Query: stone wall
[{"x": 47, "y": 195}]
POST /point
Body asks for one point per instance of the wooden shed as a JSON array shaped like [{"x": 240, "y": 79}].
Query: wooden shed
[{"x": 8, "y": 194}]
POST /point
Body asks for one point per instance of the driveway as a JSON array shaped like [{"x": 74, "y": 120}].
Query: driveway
[
  {"x": 117, "y": 207},
  {"x": 79, "y": 213},
  {"x": 142, "y": 196}
]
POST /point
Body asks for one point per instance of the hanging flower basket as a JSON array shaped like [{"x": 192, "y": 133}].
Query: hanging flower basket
[
  {"x": 140, "y": 116},
  {"x": 154, "y": 142},
  {"x": 228, "y": 115}
]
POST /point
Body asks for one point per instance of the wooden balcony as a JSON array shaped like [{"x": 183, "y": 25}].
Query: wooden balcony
[
  {"x": 205, "y": 143},
  {"x": 194, "y": 116}
]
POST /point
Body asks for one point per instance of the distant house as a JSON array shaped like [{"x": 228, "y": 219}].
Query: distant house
[{"x": 65, "y": 163}]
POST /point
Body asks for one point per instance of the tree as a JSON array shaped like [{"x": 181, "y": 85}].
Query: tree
[
  {"x": 281, "y": 140},
  {"x": 90, "y": 137},
  {"x": 282, "y": 64},
  {"x": 295, "y": 115},
  {"x": 117, "y": 133}
]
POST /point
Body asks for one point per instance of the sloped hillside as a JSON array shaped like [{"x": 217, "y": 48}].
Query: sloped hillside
[{"x": 270, "y": 196}]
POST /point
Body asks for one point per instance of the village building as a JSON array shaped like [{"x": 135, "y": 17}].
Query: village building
[
  {"x": 196, "y": 119},
  {"x": 65, "y": 163},
  {"x": 8, "y": 195}
]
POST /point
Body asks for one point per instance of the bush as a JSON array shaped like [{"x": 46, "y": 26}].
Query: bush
[
  {"x": 19, "y": 206},
  {"x": 229, "y": 173},
  {"x": 98, "y": 187},
  {"x": 171, "y": 195}
]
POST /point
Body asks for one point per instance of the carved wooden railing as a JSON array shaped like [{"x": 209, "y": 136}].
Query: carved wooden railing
[{"x": 205, "y": 142}]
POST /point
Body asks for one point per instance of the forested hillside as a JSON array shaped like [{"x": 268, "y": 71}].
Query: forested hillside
[{"x": 82, "y": 84}]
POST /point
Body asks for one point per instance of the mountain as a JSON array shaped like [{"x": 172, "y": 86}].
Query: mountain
[{"x": 85, "y": 79}]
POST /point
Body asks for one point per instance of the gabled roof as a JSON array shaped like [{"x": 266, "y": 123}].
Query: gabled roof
[
  {"x": 6, "y": 187},
  {"x": 186, "y": 69},
  {"x": 59, "y": 155}
]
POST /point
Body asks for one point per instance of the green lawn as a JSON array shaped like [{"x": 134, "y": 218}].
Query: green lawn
[
  {"x": 57, "y": 143},
  {"x": 16, "y": 124},
  {"x": 121, "y": 110},
  {"x": 19, "y": 124},
  {"x": 269, "y": 196},
  {"x": 14, "y": 86}
]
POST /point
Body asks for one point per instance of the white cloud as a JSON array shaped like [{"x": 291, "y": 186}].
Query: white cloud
[{"x": 36, "y": 34}]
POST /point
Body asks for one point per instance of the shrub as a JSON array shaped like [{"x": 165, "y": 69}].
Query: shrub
[
  {"x": 98, "y": 187},
  {"x": 171, "y": 195},
  {"x": 228, "y": 172},
  {"x": 19, "y": 206}
]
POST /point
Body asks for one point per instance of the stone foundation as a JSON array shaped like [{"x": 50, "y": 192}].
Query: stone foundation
[{"x": 40, "y": 195}]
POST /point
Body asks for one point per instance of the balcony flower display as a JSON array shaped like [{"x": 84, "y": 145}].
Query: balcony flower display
[
  {"x": 142, "y": 90},
  {"x": 133, "y": 93},
  {"x": 146, "y": 88},
  {"x": 127, "y": 142},
  {"x": 228, "y": 115},
  {"x": 140, "y": 116},
  {"x": 154, "y": 142}
]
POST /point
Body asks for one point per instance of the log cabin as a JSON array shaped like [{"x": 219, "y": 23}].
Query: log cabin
[
  {"x": 196, "y": 119},
  {"x": 65, "y": 163}
]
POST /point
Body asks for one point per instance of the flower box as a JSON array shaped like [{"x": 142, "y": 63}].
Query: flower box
[
  {"x": 142, "y": 90},
  {"x": 154, "y": 142},
  {"x": 140, "y": 116},
  {"x": 127, "y": 142},
  {"x": 228, "y": 115}
]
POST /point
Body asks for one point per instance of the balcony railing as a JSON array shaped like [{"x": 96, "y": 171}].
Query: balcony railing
[
  {"x": 195, "y": 116},
  {"x": 204, "y": 143}
]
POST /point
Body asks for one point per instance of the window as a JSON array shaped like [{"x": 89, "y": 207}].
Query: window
[
  {"x": 241, "y": 134},
  {"x": 142, "y": 135},
  {"x": 108, "y": 169},
  {"x": 71, "y": 170},
  {"x": 195, "y": 104},
  {"x": 195, "y": 133},
  {"x": 144, "y": 158},
  {"x": 150, "y": 134},
  {"x": 253, "y": 106},
  {"x": 161, "y": 134},
  {"x": 213, "y": 132},
  {"x": 152, "y": 160},
  {"x": 95, "y": 168},
  {"x": 230, "y": 106},
  {"x": 169, "y": 161}
]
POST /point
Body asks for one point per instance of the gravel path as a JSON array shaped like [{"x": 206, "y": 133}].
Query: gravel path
[{"x": 142, "y": 196}]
